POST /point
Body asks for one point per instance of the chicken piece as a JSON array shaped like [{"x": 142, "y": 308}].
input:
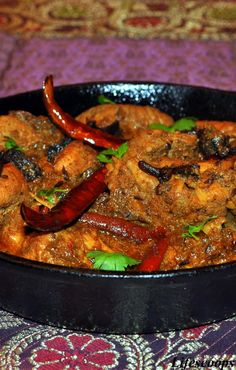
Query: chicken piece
[
  {"x": 231, "y": 204},
  {"x": 14, "y": 190},
  {"x": 74, "y": 159},
  {"x": 70, "y": 247},
  {"x": 190, "y": 200},
  {"x": 133, "y": 192},
  {"x": 56, "y": 248},
  {"x": 13, "y": 186},
  {"x": 45, "y": 133},
  {"x": 151, "y": 145},
  {"x": 12, "y": 126},
  {"x": 134, "y": 117},
  {"x": 184, "y": 198},
  {"x": 28, "y": 130},
  {"x": 216, "y": 247},
  {"x": 103, "y": 115},
  {"x": 33, "y": 135},
  {"x": 130, "y": 117},
  {"x": 181, "y": 200},
  {"x": 224, "y": 127},
  {"x": 12, "y": 231}
]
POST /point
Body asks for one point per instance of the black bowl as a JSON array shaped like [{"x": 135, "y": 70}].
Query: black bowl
[{"x": 121, "y": 302}]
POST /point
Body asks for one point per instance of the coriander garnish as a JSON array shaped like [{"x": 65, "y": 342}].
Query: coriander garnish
[
  {"x": 49, "y": 194},
  {"x": 102, "y": 99},
  {"x": 10, "y": 143},
  {"x": 194, "y": 229},
  {"x": 183, "y": 124},
  {"x": 111, "y": 261},
  {"x": 105, "y": 155}
]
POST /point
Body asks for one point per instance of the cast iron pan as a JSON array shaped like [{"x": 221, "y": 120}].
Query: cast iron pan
[{"x": 121, "y": 302}]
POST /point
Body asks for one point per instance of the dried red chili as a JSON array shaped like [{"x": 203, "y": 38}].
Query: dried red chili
[
  {"x": 153, "y": 261},
  {"x": 73, "y": 127},
  {"x": 68, "y": 209},
  {"x": 140, "y": 234},
  {"x": 119, "y": 226}
]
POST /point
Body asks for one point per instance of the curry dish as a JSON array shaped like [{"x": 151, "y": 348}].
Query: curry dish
[{"x": 119, "y": 187}]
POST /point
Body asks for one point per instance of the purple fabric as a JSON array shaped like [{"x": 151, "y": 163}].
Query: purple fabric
[
  {"x": 25, "y": 63},
  {"x": 25, "y": 345},
  {"x": 23, "y": 66}
]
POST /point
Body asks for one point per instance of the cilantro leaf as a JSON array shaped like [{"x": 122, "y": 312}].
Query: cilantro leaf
[
  {"x": 102, "y": 99},
  {"x": 111, "y": 261},
  {"x": 160, "y": 126},
  {"x": 194, "y": 229},
  {"x": 49, "y": 194},
  {"x": 183, "y": 124},
  {"x": 104, "y": 158},
  {"x": 11, "y": 144},
  {"x": 121, "y": 150},
  {"x": 104, "y": 155}
]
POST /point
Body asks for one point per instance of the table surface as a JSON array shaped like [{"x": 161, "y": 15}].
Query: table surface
[{"x": 24, "y": 62}]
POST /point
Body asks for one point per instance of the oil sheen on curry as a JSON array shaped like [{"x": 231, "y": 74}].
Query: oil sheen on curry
[{"x": 120, "y": 187}]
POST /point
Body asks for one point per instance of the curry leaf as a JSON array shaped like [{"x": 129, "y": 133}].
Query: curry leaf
[
  {"x": 194, "y": 229},
  {"x": 111, "y": 261}
]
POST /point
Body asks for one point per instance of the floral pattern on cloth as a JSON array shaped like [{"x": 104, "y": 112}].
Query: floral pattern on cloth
[
  {"x": 84, "y": 351},
  {"x": 25, "y": 345},
  {"x": 196, "y": 19}
]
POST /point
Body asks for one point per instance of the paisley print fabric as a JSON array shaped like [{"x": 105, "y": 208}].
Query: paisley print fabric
[{"x": 195, "y": 19}]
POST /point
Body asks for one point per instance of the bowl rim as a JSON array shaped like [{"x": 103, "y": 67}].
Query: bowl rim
[
  {"x": 28, "y": 265},
  {"x": 120, "y": 82}
]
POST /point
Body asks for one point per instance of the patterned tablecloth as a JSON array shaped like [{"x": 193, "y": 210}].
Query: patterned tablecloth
[{"x": 24, "y": 62}]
